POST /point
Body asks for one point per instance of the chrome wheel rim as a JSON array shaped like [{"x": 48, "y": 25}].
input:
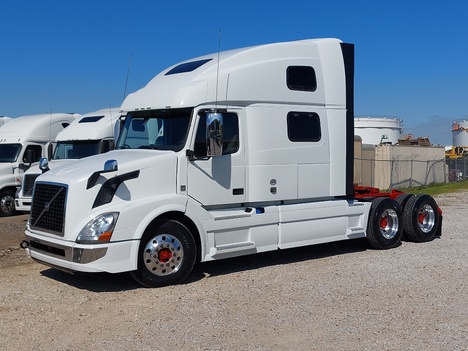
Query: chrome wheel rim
[
  {"x": 389, "y": 224},
  {"x": 426, "y": 219},
  {"x": 163, "y": 255},
  {"x": 7, "y": 204}
]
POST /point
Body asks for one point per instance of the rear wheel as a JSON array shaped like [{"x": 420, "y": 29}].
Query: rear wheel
[
  {"x": 402, "y": 200},
  {"x": 7, "y": 203},
  {"x": 384, "y": 229},
  {"x": 421, "y": 218},
  {"x": 166, "y": 256}
]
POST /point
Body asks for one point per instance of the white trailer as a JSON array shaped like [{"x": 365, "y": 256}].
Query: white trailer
[
  {"x": 228, "y": 154},
  {"x": 23, "y": 141},
  {"x": 91, "y": 134}
]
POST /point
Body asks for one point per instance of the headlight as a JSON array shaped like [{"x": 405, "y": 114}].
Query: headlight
[{"x": 99, "y": 229}]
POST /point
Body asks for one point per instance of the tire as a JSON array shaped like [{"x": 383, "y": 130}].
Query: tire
[
  {"x": 384, "y": 229},
  {"x": 402, "y": 200},
  {"x": 421, "y": 218},
  {"x": 7, "y": 203},
  {"x": 166, "y": 255}
]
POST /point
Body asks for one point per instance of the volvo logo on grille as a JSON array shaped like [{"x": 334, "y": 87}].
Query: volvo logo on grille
[{"x": 47, "y": 206}]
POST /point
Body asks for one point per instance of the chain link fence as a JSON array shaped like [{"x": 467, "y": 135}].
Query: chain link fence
[
  {"x": 402, "y": 172},
  {"x": 457, "y": 169}
]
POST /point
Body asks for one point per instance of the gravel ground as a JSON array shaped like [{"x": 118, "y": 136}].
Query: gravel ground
[{"x": 340, "y": 296}]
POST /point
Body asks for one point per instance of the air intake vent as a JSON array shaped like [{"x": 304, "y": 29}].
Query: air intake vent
[{"x": 28, "y": 184}]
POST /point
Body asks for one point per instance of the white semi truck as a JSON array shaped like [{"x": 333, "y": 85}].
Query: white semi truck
[
  {"x": 230, "y": 154},
  {"x": 23, "y": 141},
  {"x": 4, "y": 119},
  {"x": 91, "y": 134}
]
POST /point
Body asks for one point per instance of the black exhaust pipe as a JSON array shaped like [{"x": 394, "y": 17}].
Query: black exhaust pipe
[{"x": 24, "y": 244}]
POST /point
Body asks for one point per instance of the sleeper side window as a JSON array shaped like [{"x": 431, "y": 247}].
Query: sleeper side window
[
  {"x": 304, "y": 127},
  {"x": 301, "y": 78}
]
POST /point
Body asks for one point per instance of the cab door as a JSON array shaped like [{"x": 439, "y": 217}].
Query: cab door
[{"x": 218, "y": 180}]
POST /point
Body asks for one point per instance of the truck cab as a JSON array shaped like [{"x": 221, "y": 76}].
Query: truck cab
[
  {"x": 23, "y": 141},
  {"x": 91, "y": 134},
  {"x": 4, "y": 120}
]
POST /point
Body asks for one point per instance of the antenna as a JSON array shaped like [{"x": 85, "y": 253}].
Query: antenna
[
  {"x": 50, "y": 125},
  {"x": 217, "y": 71},
  {"x": 126, "y": 79},
  {"x": 227, "y": 88}
]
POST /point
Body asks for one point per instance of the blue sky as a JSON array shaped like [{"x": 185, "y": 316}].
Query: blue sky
[{"x": 73, "y": 56}]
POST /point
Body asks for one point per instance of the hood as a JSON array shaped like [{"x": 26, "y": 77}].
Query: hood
[
  {"x": 6, "y": 168},
  {"x": 34, "y": 169},
  {"x": 127, "y": 161},
  {"x": 141, "y": 175}
]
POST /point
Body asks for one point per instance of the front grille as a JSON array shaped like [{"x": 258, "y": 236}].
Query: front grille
[
  {"x": 48, "y": 208},
  {"x": 28, "y": 184}
]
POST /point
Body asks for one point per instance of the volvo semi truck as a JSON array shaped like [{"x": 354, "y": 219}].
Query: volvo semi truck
[
  {"x": 4, "y": 119},
  {"x": 91, "y": 134},
  {"x": 23, "y": 141},
  {"x": 229, "y": 154}
]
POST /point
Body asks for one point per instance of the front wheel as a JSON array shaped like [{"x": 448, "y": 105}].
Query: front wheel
[
  {"x": 421, "y": 218},
  {"x": 384, "y": 229},
  {"x": 7, "y": 203},
  {"x": 166, "y": 255}
]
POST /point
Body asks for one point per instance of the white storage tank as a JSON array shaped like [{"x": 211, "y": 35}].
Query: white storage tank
[
  {"x": 378, "y": 130},
  {"x": 460, "y": 133}
]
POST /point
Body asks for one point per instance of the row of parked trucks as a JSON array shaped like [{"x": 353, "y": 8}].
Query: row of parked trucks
[
  {"x": 58, "y": 137},
  {"x": 233, "y": 153}
]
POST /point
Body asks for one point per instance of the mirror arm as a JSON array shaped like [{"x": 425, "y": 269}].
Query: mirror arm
[{"x": 191, "y": 156}]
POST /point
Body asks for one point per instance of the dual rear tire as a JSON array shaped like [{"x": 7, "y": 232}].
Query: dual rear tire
[
  {"x": 421, "y": 219},
  {"x": 385, "y": 227},
  {"x": 416, "y": 217}
]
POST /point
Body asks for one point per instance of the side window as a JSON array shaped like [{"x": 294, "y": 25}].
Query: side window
[
  {"x": 301, "y": 78},
  {"x": 230, "y": 135},
  {"x": 304, "y": 126},
  {"x": 36, "y": 151}
]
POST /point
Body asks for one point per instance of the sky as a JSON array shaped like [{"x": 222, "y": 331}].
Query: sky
[{"x": 411, "y": 57}]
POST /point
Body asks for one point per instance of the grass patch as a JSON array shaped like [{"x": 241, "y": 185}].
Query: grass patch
[{"x": 437, "y": 189}]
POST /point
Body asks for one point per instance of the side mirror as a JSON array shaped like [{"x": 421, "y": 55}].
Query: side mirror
[
  {"x": 44, "y": 164},
  {"x": 109, "y": 166},
  {"x": 214, "y": 134},
  {"x": 29, "y": 156}
]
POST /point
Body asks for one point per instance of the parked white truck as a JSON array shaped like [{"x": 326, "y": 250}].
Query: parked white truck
[
  {"x": 91, "y": 134},
  {"x": 4, "y": 119},
  {"x": 229, "y": 154},
  {"x": 23, "y": 141}
]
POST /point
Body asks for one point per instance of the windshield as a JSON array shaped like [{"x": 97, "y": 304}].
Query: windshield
[
  {"x": 76, "y": 149},
  {"x": 155, "y": 129},
  {"x": 9, "y": 152}
]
